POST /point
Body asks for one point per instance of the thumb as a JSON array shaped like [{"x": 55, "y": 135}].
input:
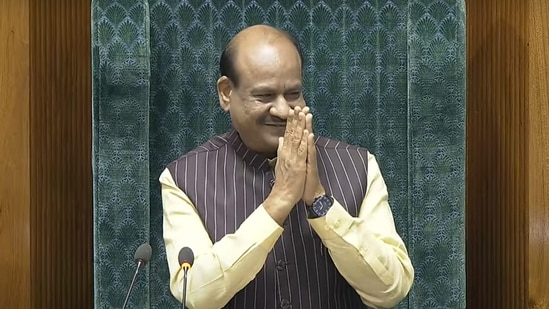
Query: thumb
[{"x": 280, "y": 143}]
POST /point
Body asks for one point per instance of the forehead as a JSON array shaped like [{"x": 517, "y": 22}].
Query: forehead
[{"x": 272, "y": 65}]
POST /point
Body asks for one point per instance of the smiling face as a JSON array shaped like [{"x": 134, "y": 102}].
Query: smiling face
[{"x": 269, "y": 84}]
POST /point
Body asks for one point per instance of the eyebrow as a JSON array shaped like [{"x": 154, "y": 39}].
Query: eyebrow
[
  {"x": 262, "y": 89},
  {"x": 267, "y": 89},
  {"x": 294, "y": 88}
]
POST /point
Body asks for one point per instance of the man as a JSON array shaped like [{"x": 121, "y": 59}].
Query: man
[{"x": 277, "y": 217}]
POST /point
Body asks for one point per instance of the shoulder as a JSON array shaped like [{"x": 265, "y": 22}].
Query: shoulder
[
  {"x": 336, "y": 153},
  {"x": 213, "y": 145},
  {"x": 328, "y": 144}
]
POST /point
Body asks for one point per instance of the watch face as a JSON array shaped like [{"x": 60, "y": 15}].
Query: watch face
[{"x": 321, "y": 205}]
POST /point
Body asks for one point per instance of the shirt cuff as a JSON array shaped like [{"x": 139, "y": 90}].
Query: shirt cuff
[{"x": 335, "y": 224}]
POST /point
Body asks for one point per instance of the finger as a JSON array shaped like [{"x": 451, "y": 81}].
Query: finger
[
  {"x": 311, "y": 150},
  {"x": 309, "y": 122},
  {"x": 300, "y": 123},
  {"x": 306, "y": 110},
  {"x": 298, "y": 128},
  {"x": 294, "y": 133},
  {"x": 290, "y": 126},
  {"x": 303, "y": 145},
  {"x": 298, "y": 133}
]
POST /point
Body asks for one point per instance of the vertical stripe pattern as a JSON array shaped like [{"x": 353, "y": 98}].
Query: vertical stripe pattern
[{"x": 227, "y": 182}]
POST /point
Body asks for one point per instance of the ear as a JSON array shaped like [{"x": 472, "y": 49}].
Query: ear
[{"x": 224, "y": 91}]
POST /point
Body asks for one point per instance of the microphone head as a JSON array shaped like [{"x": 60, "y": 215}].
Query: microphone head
[
  {"x": 143, "y": 254},
  {"x": 186, "y": 256}
]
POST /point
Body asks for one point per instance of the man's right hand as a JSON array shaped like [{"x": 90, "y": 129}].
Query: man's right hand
[{"x": 290, "y": 169}]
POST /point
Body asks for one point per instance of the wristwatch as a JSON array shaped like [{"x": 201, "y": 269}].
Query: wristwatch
[{"x": 321, "y": 205}]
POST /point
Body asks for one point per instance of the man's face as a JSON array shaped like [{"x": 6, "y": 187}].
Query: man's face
[{"x": 269, "y": 85}]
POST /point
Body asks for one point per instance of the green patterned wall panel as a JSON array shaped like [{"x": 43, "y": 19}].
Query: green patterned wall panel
[
  {"x": 387, "y": 75},
  {"x": 436, "y": 105},
  {"x": 121, "y": 78}
]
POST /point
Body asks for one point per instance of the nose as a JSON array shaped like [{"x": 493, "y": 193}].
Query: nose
[{"x": 280, "y": 108}]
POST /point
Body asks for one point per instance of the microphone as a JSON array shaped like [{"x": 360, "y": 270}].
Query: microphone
[
  {"x": 141, "y": 257},
  {"x": 186, "y": 260}
]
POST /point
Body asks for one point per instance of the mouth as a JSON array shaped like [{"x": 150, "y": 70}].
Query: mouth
[{"x": 278, "y": 125}]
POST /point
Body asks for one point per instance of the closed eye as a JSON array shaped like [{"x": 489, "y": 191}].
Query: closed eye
[
  {"x": 264, "y": 97},
  {"x": 293, "y": 95}
]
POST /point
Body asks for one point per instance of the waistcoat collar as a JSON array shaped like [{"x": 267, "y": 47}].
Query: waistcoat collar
[{"x": 255, "y": 159}]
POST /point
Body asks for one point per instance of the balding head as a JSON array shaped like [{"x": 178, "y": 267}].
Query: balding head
[
  {"x": 261, "y": 81},
  {"x": 250, "y": 42}
]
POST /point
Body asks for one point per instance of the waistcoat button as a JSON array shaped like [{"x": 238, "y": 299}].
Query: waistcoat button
[
  {"x": 285, "y": 304},
  {"x": 280, "y": 265}
]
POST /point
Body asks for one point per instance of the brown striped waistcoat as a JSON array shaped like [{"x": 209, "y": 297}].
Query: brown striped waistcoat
[{"x": 227, "y": 182}]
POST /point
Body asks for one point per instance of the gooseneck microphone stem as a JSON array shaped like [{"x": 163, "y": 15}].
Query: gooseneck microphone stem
[
  {"x": 139, "y": 263},
  {"x": 184, "y": 300},
  {"x": 141, "y": 257}
]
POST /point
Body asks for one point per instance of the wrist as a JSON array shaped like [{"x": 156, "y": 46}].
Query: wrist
[
  {"x": 281, "y": 198},
  {"x": 320, "y": 206},
  {"x": 318, "y": 193},
  {"x": 278, "y": 207}
]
